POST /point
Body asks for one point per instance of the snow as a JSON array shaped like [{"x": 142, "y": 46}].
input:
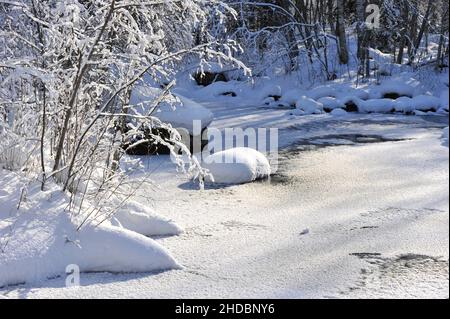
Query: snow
[
  {"x": 339, "y": 112},
  {"x": 426, "y": 103},
  {"x": 292, "y": 96},
  {"x": 444, "y": 99},
  {"x": 376, "y": 105},
  {"x": 445, "y": 136},
  {"x": 237, "y": 166},
  {"x": 307, "y": 105},
  {"x": 244, "y": 241},
  {"x": 178, "y": 111},
  {"x": 322, "y": 91},
  {"x": 40, "y": 239},
  {"x": 269, "y": 91},
  {"x": 143, "y": 220},
  {"x": 401, "y": 85},
  {"x": 330, "y": 103}
]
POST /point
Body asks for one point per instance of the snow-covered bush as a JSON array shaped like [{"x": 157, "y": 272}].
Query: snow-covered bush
[{"x": 68, "y": 69}]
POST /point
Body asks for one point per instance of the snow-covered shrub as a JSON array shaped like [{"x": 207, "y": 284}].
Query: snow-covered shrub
[{"x": 69, "y": 70}]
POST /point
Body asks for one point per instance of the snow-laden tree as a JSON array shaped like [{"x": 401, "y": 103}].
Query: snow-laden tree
[{"x": 67, "y": 70}]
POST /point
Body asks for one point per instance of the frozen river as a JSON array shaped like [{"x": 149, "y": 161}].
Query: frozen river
[{"x": 359, "y": 207}]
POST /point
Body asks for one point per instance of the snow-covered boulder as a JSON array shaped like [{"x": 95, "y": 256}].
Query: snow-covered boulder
[
  {"x": 143, "y": 220},
  {"x": 422, "y": 103},
  {"x": 176, "y": 109},
  {"x": 237, "y": 166},
  {"x": 291, "y": 96},
  {"x": 208, "y": 73},
  {"x": 309, "y": 106},
  {"x": 330, "y": 103},
  {"x": 43, "y": 238},
  {"x": 339, "y": 112},
  {"x": 426, "y": 103},
  {"x": 376, "y": 106},
  {"x": 322, "y": 91},
  {"x": 270, "y": 91},
  {"x": 395, "y": 88},
  {"x": 404, "y": 104}
]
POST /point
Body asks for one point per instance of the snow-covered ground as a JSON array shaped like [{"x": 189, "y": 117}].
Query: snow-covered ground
[{"x": 357, "y": 207}]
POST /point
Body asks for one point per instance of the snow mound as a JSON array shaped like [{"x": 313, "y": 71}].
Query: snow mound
[
  {"x": 307, "y": 105},
  {"x": 339, "y": 112},
  {"x": 237, "y": 166},
  {"x": 400, "y": 86},
  {"x": 330, "y": 103},
  {"x": 269, "y": 91},
  {"x": 143, "y": 220},
  {"x": 176, "y": 109},
  {"x": 218, "y": 89},
  {"x": 40, "y": 239},
  {"x": 291, "y": 96},
  {"x": 376, "y": 106},
  {"x": 322, "y": 91}
]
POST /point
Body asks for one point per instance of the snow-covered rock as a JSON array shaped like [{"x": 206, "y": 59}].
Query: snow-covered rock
[
  {"x": 339, "y": 112},
  {"x": 309, "y": 106},
  {"x": 376, "y": 106},
  {"x": 218, "y": 89},
  {"x": 176, "y": 109},
  {"x": 400, "y": 86},
  {"x": 426, "y": 103},
  {"x": 291, "y": 96},
  {"x": 269, "y": 91},
  {"x": 322, "y": 91},
  {"x": 330, "y": 103},
  {"x": 237, "y": 166},
  {"x": 143, "y": 220}
]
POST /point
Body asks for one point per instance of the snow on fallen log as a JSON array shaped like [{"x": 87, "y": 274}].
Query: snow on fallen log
[{"x": 237, "y": 166}]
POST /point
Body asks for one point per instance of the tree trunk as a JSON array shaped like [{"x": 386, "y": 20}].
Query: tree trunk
[
  {"x": 403, "y": 39},
  {"x": 423, "y": 27},
  {"x": 340, "y": 29}
]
